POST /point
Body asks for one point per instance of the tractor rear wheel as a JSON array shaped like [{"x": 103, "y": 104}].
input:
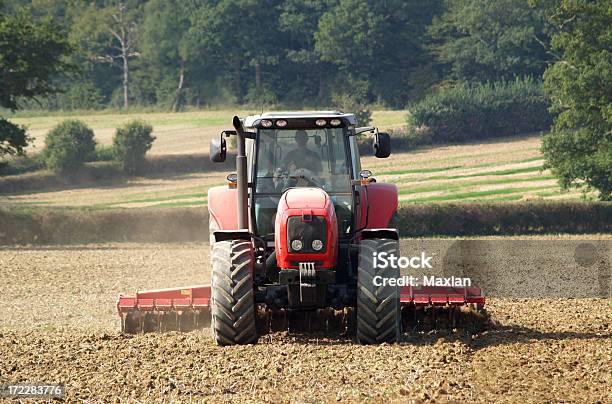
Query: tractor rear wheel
[
  {"x": 378, "y": 307},
  {"x": 233, "y": 303}
]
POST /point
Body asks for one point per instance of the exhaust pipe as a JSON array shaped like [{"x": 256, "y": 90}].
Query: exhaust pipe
[{"x": 241, "y": 172}]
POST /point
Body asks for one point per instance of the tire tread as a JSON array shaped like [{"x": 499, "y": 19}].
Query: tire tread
[
  {"x": 378, "y": 307},
  {"x": 233, "y": 304}
]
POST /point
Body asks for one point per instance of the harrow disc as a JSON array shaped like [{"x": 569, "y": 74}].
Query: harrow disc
[
  {"x": 188, "y": 308},
  {"x": 471, "y": 318},
  {"x": 329, "y": 322},
  {"x": 139, "y": 321}
]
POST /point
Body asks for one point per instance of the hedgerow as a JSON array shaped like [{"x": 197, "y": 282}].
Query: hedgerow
[{"x": 468, "y": 112}]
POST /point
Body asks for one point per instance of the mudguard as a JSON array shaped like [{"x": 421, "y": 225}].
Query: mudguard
[
  {"x": 379, "y": 233},
  {"x": 226, "y": 235},
  {"x": 222, "y": 203},
  {"x": 382, "y": 200}
]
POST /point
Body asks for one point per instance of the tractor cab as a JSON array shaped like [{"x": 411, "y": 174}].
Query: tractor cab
[{"x": 303, "y": 150}]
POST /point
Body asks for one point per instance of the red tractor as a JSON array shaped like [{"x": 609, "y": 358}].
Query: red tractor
[{"x": 296, "y": 230}]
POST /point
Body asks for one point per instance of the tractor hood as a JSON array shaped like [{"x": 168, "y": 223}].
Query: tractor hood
[
  {"x": 305, "y": 198},
  {"x": 306, "y": 215}
]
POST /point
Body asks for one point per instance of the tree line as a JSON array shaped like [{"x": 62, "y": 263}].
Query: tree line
[
  {"x": 433, "y": 55},
  {"x": 176, "y": 53}
]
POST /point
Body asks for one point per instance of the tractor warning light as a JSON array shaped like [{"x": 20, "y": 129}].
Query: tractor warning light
[{"x": 232, "y": 180}]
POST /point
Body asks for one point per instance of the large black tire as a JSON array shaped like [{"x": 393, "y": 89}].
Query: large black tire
[
  {"x": 378, "y": 307},
  {"x": 233, "y": 303}
]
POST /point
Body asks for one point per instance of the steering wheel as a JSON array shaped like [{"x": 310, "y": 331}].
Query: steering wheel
[{"x": 290, "y": 180}]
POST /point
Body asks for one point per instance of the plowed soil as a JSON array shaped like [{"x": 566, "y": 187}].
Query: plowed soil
[{"x": 57, "y": 324}]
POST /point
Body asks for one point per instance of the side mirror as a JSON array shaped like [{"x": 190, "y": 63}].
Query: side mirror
[
  {"x": 218, "y": 150},
  {"x": 382, "y": 145}
]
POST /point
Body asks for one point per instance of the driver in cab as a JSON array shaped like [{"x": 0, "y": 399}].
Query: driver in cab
[{"x": 301, "y": 157}]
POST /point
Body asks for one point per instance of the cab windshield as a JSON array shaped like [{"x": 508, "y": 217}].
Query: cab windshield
[{"x": 301, "y": 158}]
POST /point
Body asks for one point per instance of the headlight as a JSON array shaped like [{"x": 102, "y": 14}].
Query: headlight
[
  {"x": 317, "y": 245},
  {"x": 266, "y": 123},
  {"x": 335, "y": 122},
  {"x": 296, "y": 245},
  {"x": 281, "y": 123},
  {"x": 321, "y": 122}
]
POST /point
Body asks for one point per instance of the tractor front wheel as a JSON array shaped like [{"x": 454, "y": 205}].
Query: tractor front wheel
[
  {"x": 233, "y": 303},
  {"x": 378, "y": 303}
]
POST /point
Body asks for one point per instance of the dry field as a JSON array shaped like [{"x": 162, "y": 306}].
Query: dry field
[
  {"x": 58, "y": 324},
  {"x": 502, "y": 170},
  {"x": 176, "y": 133}
]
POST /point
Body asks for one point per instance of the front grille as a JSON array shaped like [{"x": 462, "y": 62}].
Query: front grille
[
  {"x": 315, "y": 229},
  {"x": 297, "y": 263}
]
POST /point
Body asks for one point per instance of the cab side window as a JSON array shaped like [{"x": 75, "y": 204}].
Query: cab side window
[{"x": 355, "y": 156}]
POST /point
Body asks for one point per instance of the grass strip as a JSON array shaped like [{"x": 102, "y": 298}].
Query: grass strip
[
  {"x": 163, "y": 198},
  {"x": 29, "y": 203},
  {"x": 501, "y": 163},
  {"x": 441, "y": 169},
  {"x": 474, "y": 194},
  {"x": 456, "y": 187},
  {"x": 418, "y": 170},
  {"x": 178, "y": 204},
  {"x": 509, "y": 171}
]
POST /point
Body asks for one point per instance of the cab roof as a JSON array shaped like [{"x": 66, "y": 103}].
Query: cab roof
[{"x": 253, "y": 120}]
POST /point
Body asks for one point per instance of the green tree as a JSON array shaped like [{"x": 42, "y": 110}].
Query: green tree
[
  {"x": 299, "y": 20},
  {"x": 165, "y": 48},
  {"x": 240, "y": 39},
  {"x": 106, "y": 33},
  {"x": 375, "y": 46},
  {"x": 579, "y": 148},
  {"x": 349, "y": 36},
  {"x": 491, "y": 40},
  {"x": 131, "y": 142},
  {"x": 32, "y": 54},
  {"x": 68, "y": 145}
]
